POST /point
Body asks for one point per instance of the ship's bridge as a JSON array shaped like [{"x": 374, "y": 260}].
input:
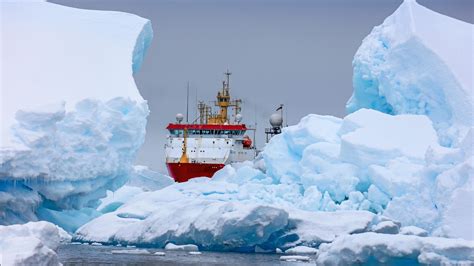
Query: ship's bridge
[{"x": 177, "y": 130}]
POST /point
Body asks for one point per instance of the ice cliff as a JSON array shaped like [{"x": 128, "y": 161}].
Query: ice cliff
[
  {"x": 418, "y": 62},
  {"x": 72, "y": 118}
]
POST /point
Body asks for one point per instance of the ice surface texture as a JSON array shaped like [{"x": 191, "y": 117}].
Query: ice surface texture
[
  {"x": 371, "y": 248},
  {"x": 181, "y": 215},
  {"x": 72, "y": 118},
  {"x": 307, "y": 187},
  {"x": 33, "y": 243},
  {"x": 418, "y": 62},
  {"x": 399, "y": 167}
]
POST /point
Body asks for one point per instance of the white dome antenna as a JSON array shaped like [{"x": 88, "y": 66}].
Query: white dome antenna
[
  {"x": 276, "y": 120},
  {"x": 179, "y": 118}
]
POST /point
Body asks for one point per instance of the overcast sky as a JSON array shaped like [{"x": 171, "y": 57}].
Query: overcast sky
[{"x": 298, "y": 53}]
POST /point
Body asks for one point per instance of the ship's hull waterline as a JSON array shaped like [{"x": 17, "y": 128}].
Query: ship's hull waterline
[{"x": 182, "y": 172}]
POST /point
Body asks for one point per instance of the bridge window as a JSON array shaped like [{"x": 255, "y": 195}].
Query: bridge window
[{"x": 176, "y": 132}]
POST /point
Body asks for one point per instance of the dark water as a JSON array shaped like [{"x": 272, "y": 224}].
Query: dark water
[{"x": 102, "y": 255}]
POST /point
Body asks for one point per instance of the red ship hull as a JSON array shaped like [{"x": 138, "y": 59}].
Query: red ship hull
[{"x": 182, "y": 172}]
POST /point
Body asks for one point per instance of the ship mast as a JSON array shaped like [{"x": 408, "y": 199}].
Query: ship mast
[{"x": 223, "y": 102}]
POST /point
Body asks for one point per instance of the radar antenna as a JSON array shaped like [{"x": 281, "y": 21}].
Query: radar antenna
[{"x": 227, "y": 73}]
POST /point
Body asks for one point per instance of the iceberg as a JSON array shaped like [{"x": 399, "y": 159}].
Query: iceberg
[
  {"x": 397, "y": 170},
  {"x": 301, "y": 250},
  {"x": 33, "y": 243},
  {"x": 188, "y": 247},
  {"x": 372, "y": 248},
  {"x": 407, "y": 66},
  {"x": 253, "y": 206},
  {"x": 174, "y": 216},
  {"x": 72, "y": 119},
  {"x": 390, "y": 182}
]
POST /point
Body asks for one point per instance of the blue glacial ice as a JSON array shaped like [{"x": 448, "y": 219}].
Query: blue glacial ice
[
  {"x": 71, "y": 130},
  {"x": 418, "y": 62}
]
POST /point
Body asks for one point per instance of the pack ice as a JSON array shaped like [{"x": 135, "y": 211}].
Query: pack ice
[
  {"x": 72, "y": 118},
  {"x": 391, "y": 172}
]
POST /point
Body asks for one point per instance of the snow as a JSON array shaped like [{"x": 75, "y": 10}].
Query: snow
[
  {"x": 405, "y": 66},
  {"x": 367, "y": 142},
  {"x": 459, "y": 215},
  {"x": 386, "y": 227},
  {"x": 413, "y": 230},
  {"x": 73, "y": 69},
  {"x": 214, "y": 223},
  {"x": 395, "y": 249},
  {"x": 33, "y": 243},
  {"x": 147, "y": 179},
  {"x": 72, "y": 118}
]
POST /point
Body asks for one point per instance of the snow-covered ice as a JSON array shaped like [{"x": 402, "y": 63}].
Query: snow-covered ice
[
  {"x": 72, "y": 117},
  {"x": 387, "y": 227},
  {"x": 397, "y": 174},
  {"x": 33, "y": 243},
  {"x": 212, "y": 223},
  {"x": 418, "y": 62},
  {"x": 396, "y": 249},
  {"x": 141, "y": 179},
  {"x": 393, "y": 181},
  {"x": 413, "y": 230},
  {"x": 187, "y": 247},
  {"x": 301, "y": 250}
]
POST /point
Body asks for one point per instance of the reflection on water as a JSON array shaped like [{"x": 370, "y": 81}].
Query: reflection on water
[{"x": 102, "y": 255}]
